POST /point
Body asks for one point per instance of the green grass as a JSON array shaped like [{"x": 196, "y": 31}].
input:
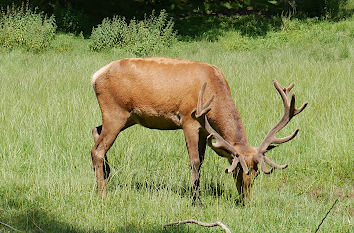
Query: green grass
[{"x": 48, "y": 109}]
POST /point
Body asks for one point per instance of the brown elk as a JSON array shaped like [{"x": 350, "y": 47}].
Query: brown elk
[{"x": 169, "y": 94}]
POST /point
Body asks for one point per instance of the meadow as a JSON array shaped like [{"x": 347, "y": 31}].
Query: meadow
[{"x": 48, "y": 108}]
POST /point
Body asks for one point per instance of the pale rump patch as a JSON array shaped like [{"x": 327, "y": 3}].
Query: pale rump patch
[{"x": 98, "y": 73}]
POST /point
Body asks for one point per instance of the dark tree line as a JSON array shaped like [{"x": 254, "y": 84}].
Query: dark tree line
[{"x": 77, "y": 15}]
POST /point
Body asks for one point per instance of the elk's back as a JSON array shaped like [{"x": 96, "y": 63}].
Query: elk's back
[{"x": 159, "y": 92}]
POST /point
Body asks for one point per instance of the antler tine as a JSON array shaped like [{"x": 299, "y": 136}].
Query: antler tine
[
  {"x": 264, "y": 168},
  {"x": 298, "y": 110},
  {"x": 282, "y": 91},
  {"x": 220, "y": 143},
  {"x": 243, "y": 164},
  {"x": 233, "y": 165},
  {"x": 290, "y": 87},
  {"x": 285, "y": 139},
  {"x": 271, "y": 163},
  {"x": 292, "y": 106}
]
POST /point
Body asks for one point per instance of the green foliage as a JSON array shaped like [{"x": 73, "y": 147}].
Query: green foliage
[
  {"x": 138, "y": 37},
  {"x": 108, "y": 34},
  {"x": 22, "y": 27}
]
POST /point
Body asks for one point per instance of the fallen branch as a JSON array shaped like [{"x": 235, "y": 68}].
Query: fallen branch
[
  {"x": 203, "y": 224},
  {"x": 326, "y": 215},
  {"x": 7, "y": 225},
  {"x": 40, "y": 229}
]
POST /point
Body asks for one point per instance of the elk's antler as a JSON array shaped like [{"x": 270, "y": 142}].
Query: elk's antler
[
  {"x": 268, "y": 143},
  {"x": 220, "y": 143}
]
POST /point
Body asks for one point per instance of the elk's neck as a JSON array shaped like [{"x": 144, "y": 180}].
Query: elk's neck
[
  {"x": 231, "y": 128},
  {"x": 237, "y": 131}
]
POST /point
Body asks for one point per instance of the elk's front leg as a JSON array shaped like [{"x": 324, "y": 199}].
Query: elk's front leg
[{"x": 196, "y": 143}]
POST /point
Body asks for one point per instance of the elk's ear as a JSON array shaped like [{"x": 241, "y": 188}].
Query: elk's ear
[{"x": 271, "y": 147}]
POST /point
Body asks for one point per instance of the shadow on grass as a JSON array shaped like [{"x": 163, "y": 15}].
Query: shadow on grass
[
  {"x": 29, "y": 216},
  {"x": 210, "y": 27},
  {"x": 207, "y": 189},
  {"x": 36, "y": 220}
]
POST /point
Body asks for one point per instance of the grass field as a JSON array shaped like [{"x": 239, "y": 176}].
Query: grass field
[{"x": 48, "y": 108}]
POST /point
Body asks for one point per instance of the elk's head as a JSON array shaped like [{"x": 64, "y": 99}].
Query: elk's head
[{"x": 244, "y": 159}]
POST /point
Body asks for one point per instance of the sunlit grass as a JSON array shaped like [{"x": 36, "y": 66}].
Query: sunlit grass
[{"x": 48, "y": 109}]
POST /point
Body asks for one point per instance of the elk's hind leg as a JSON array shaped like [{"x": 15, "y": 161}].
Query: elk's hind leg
[
  {"x": 196, "y": 143},
  {"x": 114, "y": 121},
  {"x": 106, "y": 169}
]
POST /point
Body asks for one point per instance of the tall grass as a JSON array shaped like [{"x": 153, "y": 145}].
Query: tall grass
[
  {"x": 48, "y": 109},
  {"x": 295, "y": 33}
]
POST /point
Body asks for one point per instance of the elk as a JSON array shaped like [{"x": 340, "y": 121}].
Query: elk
[{"x": 169, "y": 94}]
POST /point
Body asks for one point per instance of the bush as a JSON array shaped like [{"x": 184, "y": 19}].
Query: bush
[
  {"x": 108, "y": 34},
  {"x": 22, "y": 27},
  {"x": 138, "y": 37}
]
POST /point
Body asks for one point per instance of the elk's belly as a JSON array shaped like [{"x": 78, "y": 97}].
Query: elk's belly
[{"x": 157, "y": 120}]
